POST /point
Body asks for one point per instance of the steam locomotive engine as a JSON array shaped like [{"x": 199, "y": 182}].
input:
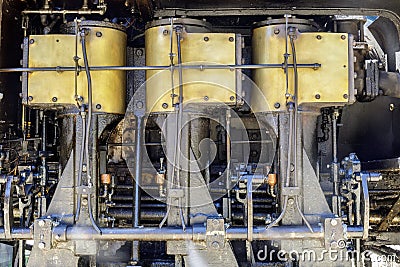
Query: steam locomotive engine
[{"x": 169, "y": 133}]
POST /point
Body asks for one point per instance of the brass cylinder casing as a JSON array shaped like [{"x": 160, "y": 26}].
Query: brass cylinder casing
[
  {"x": 105, "y": 46},
  {"x": 198, "y": 46},
  {"x": 327, "y": 85}
]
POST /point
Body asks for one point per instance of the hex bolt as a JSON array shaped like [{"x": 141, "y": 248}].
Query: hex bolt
[
  {"x": 291, "y": 201},
  {"x": 41, "y": 245},
  {"x": 54, "y": 99},
  {"x": 334, "y": 222},
  {"x": 98, "y": 106},
  {"x": 99, "y": 34},
  {"x": 164, "y": 105},
  {"x": 206, "y": 98},
  {"x": 317, "y": 96},
  {"x": 206, "y": 39},
  {"x": 231, "y": 39},
  {"x": 84, "y": 202},
  {"x": 277, "y": 105}
]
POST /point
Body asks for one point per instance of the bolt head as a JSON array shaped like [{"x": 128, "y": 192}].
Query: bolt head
[
  {"x": 41, "y": 245},
  {"x": 215, "y": 245}
]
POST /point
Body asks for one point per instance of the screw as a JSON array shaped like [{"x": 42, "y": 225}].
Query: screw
[
  {"x": 164, "y": 105},
  {"x": 30, "y": 98},
  {"x": 165, "y": 32},
  {"x": 31, "y": 41},
  {"x": 345, "y": 96},
  {"x": 99, "y": 34},
  {"x": 343, "y": 37},
  {"x": 319, "y": 37},
  {"x": 277, "y": 31},
  {"x": 317, "y": 96},
  {"x": 41, "y": 245},
  {"x": 54, "y": 99},
  {"x": 232, "y": 98},
  {"x": 231, "y": 39},
  {"x": 98, "y": 106},
  {"x": 206, "y": 39},
  {"x": 277, "y": 105},
  {"x": 206, "y": 98}
]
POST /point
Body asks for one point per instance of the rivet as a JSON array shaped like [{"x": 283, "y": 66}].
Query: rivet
[
  {"x": 317, "y": 96},
  {"x": 345, "y": 96},
  {"x": 343, "y": 37},
  {"x": 319, "y": 37},
  {"x": 99, "y": 34},
  {"x": 31, "y": 41},
  {"x": 206, "y": 98},
  {"x": 54, "y": 99},
  {"x": 231, "y": 39},
  {"x": 277, "y": 105},
  {"x": 232, "y": 98},
  {"x": 30, "y": 98},
  {"x": 164, "y": 105},
  {"x": 206, "y": 39},
  {"x": 98, "y": 106},
  {"x": 276, "y": 31},
  {"x": 165, "y": 32}
]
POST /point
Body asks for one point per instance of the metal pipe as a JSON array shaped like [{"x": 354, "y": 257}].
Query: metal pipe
[
  {"x": 64, "y": 12},
  {"x": 199, "y": 234},
  {"x": 195, "y": 234},
  {"x": 138, "y": 170},
  {"x": 133, "y": 68}
]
